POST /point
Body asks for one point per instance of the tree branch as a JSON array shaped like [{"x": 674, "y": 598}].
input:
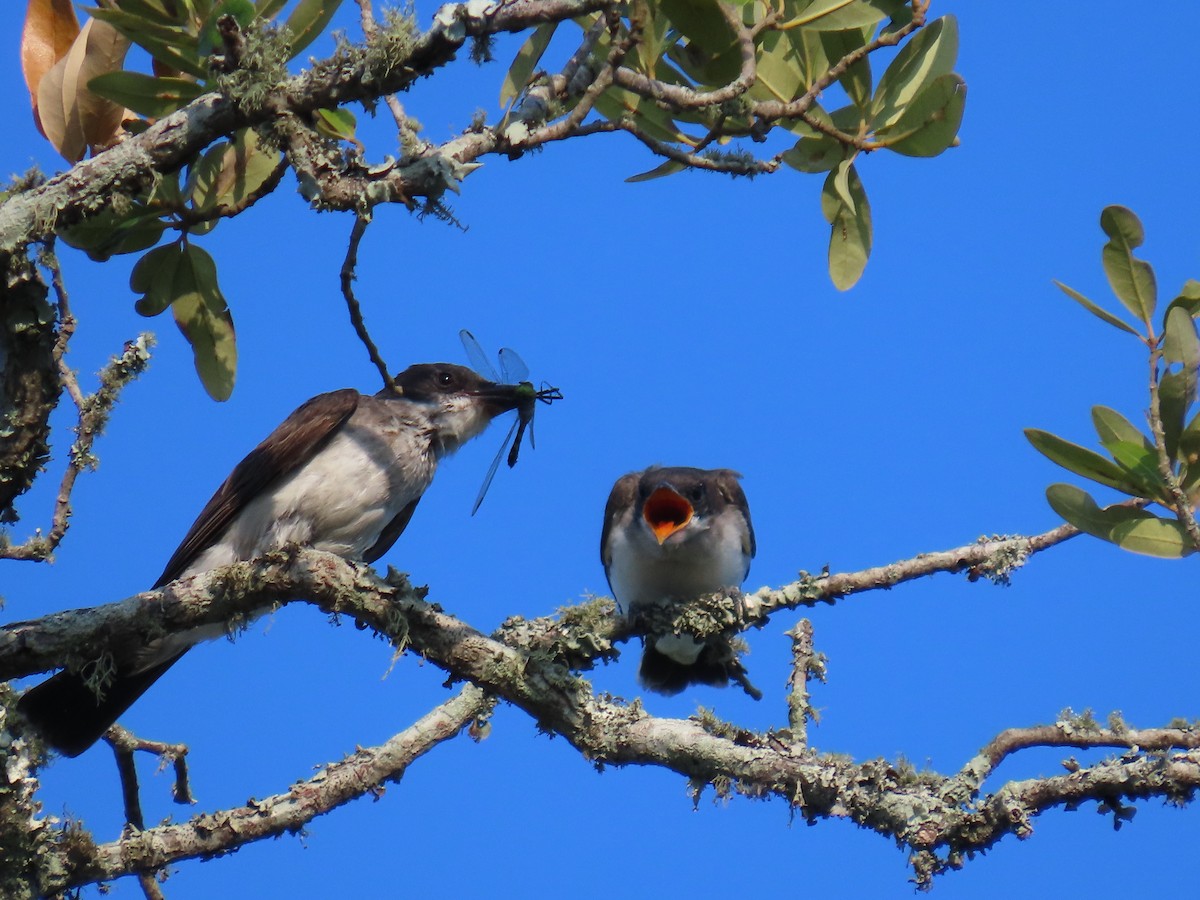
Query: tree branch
[
  {"x": 94, "y": 411},
  {"x": 367, "y": 771},
  {"x": 526, "y": 663},
  {"x": 357, "y": 74}
]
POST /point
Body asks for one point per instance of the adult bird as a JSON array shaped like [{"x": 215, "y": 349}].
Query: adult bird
[
  {"x": 675, "y": 534},
  {"x": 343, "y": 474}
]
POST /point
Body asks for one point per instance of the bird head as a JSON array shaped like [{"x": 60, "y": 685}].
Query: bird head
[{"x": 459, "y": 402}]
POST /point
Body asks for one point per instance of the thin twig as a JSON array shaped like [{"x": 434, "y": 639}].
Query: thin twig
[
  {"x": 806, "y": 663},
  {"x": 149, "y": 885},
  {"x": 1166, "y": 468},
  {"x": 94, "y": 411},
  {"x": 124, "y": 744},
  {"x": 119, "y": 740},
  {"x": 66, "y": 324},
  {"x": 367, "y": 18},
  {"x": 679, "y": 97},
  {"x": 600, "y": 83},
  {"x": 361, "y": 222}
]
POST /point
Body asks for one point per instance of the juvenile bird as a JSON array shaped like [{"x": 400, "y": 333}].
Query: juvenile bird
[{"x": 675, "y": 534}]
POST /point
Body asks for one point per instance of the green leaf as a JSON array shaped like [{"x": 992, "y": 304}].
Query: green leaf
[
  {"x": 1176, "y": 394},
  {"x": 780, "y": 73},
  {"x": 154, "y": 276},
  {"x": 702, "y": 22},
  {"x": 711, "y": 55},
  {"x": 1112, "y": 427},
  {"x": 1180, "y": 344},
  {"x": 145, "y": 94},
  {"x": 335, "y": 123},
  {"x": 203, "y": 316},
  {"x": 930, "y": 54},
  {"x": 1131, "y": 529},
  {"x": 1081, "y": 461},
  {"x": 815, "y": 154},
  {"x": 268, "y": 9},
  {"x": 1189, "y": 297},
  {"x": 616, "y": 104},
  {"x": 156, "y": 11},
  {"x": 308, "y": 20},
  {"x": 841, "y": 183},
  {"x": 930, "y": 123},
  {"x": 243, "y": 13},
  {"x": 173, "y": 47},
  {"x": 839, "y": 15},
  {"x": 1141, "y": 463},
  {"x": 1188, "y": 453},
  {"x": 670, "y": 167},
  {"x": 107, "y": 235},
  {"x": 230, "y": 172},
  {"x": 1131, "y": 279},
  {"x": 526, "y": 61},
  {"x": 850, "y": 225},
  {"x": 856, "y": 80},
  {"x": 1096, "y": 310}
]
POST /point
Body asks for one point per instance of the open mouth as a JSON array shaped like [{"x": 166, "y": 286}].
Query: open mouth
[{"x": 666, "y": 512}]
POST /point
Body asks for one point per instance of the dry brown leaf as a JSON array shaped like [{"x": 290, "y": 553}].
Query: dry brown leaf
[
  {"x": 101, "y": 119},
  {"x": 50, "y": 28},
  {"x": 56, "y": 109},
  {"x": 72, "y": 117}
]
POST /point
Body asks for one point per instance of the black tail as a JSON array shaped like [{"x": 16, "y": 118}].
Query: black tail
[
  {"x": 69, "y": 715},
  {"x": 664, "y": 675}
]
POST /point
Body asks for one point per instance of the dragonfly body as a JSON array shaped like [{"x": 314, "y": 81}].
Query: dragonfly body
[{"x": 515, "y": 372}]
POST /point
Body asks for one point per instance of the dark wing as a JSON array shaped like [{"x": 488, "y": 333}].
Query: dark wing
[
  {"x": 624, "y": 494},
  {"x": 731, "y": 492},
  {"x": 294, "y": 442},
  {"x": 391, "y": 532}
]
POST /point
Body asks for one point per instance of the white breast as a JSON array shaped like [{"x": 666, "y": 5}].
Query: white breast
[
  {"x": 705, "y": 556},
  {"x": 339, "y": 501}
]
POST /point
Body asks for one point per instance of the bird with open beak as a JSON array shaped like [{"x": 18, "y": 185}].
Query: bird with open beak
[
  {"x": 343, "y": 474},
  {"x": 673, "y": 535}
]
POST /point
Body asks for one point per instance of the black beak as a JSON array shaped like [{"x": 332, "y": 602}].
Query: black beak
[{"x": 500, "y": 398}]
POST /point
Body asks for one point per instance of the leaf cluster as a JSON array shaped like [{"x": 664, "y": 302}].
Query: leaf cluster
[
  {"x": 1161, "y": 465},
  {"x": 699, "y": 82},
  {"x": 83, "y": 99},
  {"x": 800, "y": 47}
]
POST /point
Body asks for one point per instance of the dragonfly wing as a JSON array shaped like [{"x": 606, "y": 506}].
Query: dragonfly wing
[
  {"x": 476, "y": 356},
  {"x": 491, "y": 472},
  {"x": 512, "y": 367}
]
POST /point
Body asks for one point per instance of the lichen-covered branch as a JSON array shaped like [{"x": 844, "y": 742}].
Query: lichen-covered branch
[
  {"x": 358, "y": 73},
  {"x": 806, "y": 663},
  {"x": 366, "y": 771},
  {"x": 94, "y": 411},
  {"x": 394, "y": 57},
  {"x": 529, "y": 664}
]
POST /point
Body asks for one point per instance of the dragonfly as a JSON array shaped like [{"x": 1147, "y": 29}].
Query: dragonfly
[{"x": 512, "y": 371}]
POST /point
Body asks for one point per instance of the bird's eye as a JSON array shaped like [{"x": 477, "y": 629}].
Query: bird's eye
[
  {"x": 696, "y": 493},
  {"x": 445, "y": 379}
]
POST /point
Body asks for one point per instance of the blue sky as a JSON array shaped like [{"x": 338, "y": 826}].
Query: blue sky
[{"x": 688, "y": 321}]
